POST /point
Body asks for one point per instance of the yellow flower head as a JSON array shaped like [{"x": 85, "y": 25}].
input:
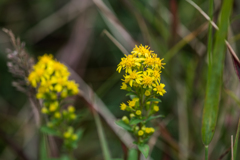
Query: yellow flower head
[
  {"x": 50, "y": 76},
  {"x": 156, "y": 108},
  {"x": 124, "y": 86},
  {"x": 71, "y": 109},
  {"x": 57, "y": 115},
  {"x": 131, "y": 103},
  {"x": 74, "y": 137},
  {"x": 123, "y": 106},
  {"x": 147, "y": 93},
  {"x": 140, "y": 132},
  {"x": 125, "y": 119},
  {"x": 138, "y": 112},
  {"x": 160, "y": 89}
]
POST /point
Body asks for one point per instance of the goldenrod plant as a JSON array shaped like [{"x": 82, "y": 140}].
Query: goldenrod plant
[
  {"x": 142, "y": 81},
  {"x": 51, "y": 80}
]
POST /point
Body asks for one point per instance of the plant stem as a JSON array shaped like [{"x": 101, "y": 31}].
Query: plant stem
[{"x": 206, "y": 152}]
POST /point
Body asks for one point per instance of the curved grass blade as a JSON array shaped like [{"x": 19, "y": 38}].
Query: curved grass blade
[
  {"x": 214, "y": 83},
  {"x": 236, "y": 141},
  {"x": 102, "y": 137}
]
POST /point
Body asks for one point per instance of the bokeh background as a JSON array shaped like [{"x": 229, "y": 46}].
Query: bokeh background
[{"x": 91, "y": 37}]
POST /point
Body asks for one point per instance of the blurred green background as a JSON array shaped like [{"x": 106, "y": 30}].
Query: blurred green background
[{"x": 89, "y": 36}]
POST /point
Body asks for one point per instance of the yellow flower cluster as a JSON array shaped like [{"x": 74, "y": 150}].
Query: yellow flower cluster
[
  {"x": 143, "y": 69},
  {"x": 50, "y": 78},
  {"x": 143, "y": 80}
]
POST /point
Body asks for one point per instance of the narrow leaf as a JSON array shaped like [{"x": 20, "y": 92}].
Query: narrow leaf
[
  {"x": 132, "y": 154},
  {"x": 236, "y": 141},
  {"x": 144, "y": 148},
  {"x": 102, "y": 138},
  {"x": 134, "y": 121},
  {"x": 154, "y": 117},
  {"x": 123, "y": 125},
  {"x": 154, "y": 99},
  {"x": 214, "y": 83},
  {"x": 49, "y": 131},
  {"x": 131, "y": 93}
]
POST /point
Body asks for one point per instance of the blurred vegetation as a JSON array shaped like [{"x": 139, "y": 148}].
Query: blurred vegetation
[{"x": 73, "y": 32}]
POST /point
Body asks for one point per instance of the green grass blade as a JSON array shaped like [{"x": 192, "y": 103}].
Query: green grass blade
[
  {"x": 214, "y": 83},
  {"x": 236, "y": 141},
  {"x": 210, "y": 39},
  {"x": 43, "y": 149},
  {"x": 103, "y": 141},
  {"x": 132, "y": 154}
]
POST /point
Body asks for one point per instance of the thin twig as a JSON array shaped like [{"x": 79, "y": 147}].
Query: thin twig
[{"x": 232, "y": 146}]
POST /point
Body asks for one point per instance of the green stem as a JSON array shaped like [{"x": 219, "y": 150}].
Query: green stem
[{"x": 206, "y": 152}]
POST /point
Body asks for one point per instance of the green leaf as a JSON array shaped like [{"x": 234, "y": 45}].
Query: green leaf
[
  {"x": 124, "y": 125},
  {"x": 102, "y": 137},
  {"x": 134, "y": 121},
  {"x": 154, "y": 117},
  {"x": 132, "y": 154},
  {"x": 79, "y": 135},
  {"x": 144, "y": 148},
  {"x": 49, "y": 131},
  {"x": 154, "y": 99},
  {"x": 43, "y": 148},
  {"x": 236, "y": 142},
  {"x": 215, "y": 71},
  {"x": 131, "y": 93}
]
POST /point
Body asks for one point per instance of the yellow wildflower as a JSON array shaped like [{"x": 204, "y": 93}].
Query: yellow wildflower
[
  {"x": 124, "y": 86},
  {"x": 140, "y": 132},
  {"x": 156, "y": 108},
  {"x": 138, "y": 112},
  {"x": 125, "y": 119},
  {"x": 123, "y": 106},
  {"x": 133, "y": 76},
  {"x": 71, "y": 109},
  {"x": 160, "y": 89},
  {"x": 147, "y": 93},
  {"x": 131, "y": 103}
]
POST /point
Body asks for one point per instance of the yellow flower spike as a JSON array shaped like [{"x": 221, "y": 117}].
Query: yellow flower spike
[
  {"x": 138, "y": 112},
  {"x": 147, "y": 93},
  {"x": 156, "y": 108},
  {"x": 57, "y": 115},
  {"x": 140, "y": 133},
  {"x": 67, "y": 135},
  {"x": 124, "y": 86},
  {"x": 74, "y": 137},
  {"x": 71, "y": 109},
  {"x": 125, "y": 119},
  {"x": 123, "y": 106},
  {"x": 44, "y": 110},
  {"x": 73, "y": 116}
]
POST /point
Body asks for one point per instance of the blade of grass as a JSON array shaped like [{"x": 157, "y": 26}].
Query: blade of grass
[
  {"x": 232, "y": 148},
  {"x": 231, "y": 51},
  {"x": 210, "y": 39},
  {"x": 174, "y": 50},
  {"x": 236, "y": 141},
  {"x": 121, "y": 48},
  {"x": 115, "y": 25},
  {"x": 102, "y": 138},
  {"x": 214, "y": 82},
  {"x": 132, "y": 154}
]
